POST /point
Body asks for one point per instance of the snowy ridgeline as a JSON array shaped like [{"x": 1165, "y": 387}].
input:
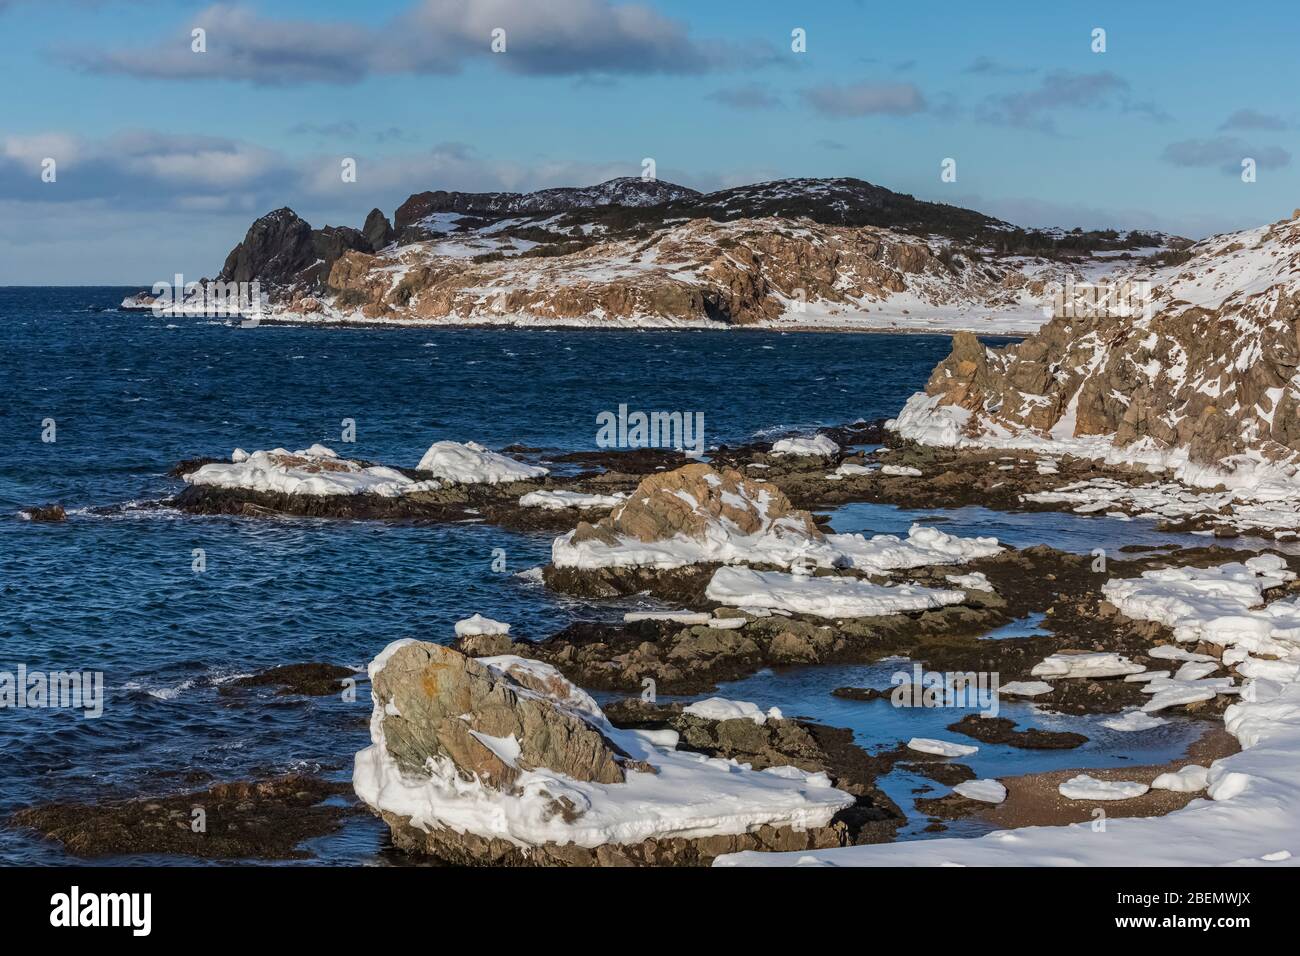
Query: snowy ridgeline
[
  {"x": 319, "y": 471},
  {"x": 687, "y": 794},
  {"x": 1252, "y": 812}
]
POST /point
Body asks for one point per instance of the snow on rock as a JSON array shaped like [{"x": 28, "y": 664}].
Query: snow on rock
[
  {"x": 314, "y": 471},
  {"x": 1132, "y": 720},
  {"x": 818, "y": 446},
  {"x": 986, "y": 791},
  {"x": 829, "y": 597},
  {"x": 1086, "y": 664},
  {"x": 1085, "y": 787},
  {"x": 1190, "y": 779},
  {"x": 974, "y": 581},
  {"x": 470, "y": 463},
  {"x": 905, "y": 470},
  {"x": 557, "y": 500},
  {"x": 850, "y": 469},
  {"x": 940, "y": 748},
  {"x": 1251, "y": 503},
  {"x": 720, "y": 708},
  {"x": 495, "y": 745},
  {"x": 1220, "y": 605},
  {"x": 922, "y": 547},
  {"x": 478, "y": 624},
  {"x": 1171, "y": 652},
  {"x": 695, "y": 514}
]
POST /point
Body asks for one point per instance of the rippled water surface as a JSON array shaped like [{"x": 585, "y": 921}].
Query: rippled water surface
[{"x": 131, "y": 395}]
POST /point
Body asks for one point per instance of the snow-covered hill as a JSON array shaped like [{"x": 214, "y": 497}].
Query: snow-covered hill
[{"x": 805, "y": 253}]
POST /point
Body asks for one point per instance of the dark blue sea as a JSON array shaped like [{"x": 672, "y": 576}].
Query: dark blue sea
[{"x": 130, "y": 395}]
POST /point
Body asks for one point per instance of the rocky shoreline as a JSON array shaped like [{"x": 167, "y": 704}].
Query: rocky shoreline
[
  {"x": 938, "y": 596},
  {"x": 691, "y": 658}
]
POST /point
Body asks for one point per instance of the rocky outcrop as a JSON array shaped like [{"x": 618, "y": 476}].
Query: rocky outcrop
[
  {"x": 282, "y": 250},
  {"x": 503, "y": 761},
  {"x": 276, "y": 249},
  {"x": 691, "y": 501},
  {"x": 46, "y": 513},
  {"x": 1204, "y": 364},
  {"x": 444, "y": 704},
  {"x": 245, "y": 819},
  {"x": 378, "y": 230}
]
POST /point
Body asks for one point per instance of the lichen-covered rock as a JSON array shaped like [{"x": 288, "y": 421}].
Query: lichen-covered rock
[
  {"x": 693, "y": 500},
  {"x": 502, "y": 760},
  {"x": 443, "y": 704}
]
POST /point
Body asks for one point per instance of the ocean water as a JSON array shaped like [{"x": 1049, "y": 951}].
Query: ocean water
[{"x": 130, "y": 395}]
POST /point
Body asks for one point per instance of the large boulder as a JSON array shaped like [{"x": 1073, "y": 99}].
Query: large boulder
[
  {"x": 694, "y": 500},
  {"x": 502, "y": 761},
  {"x": 445, "y": 705}
]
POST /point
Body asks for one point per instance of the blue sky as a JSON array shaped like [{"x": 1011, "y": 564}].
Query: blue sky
[{"x": 165, "y": 155}]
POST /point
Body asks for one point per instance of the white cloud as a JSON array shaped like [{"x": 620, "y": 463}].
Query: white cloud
[{"x": 555, "y": 38}]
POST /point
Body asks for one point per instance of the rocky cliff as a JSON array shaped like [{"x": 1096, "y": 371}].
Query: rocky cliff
[{"x": 1201, "y": 367}]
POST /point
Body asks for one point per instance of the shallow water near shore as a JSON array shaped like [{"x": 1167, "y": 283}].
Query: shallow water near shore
[{"x": 131, "y": 395}]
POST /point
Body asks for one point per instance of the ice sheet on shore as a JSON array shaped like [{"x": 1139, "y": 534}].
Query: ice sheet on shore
[
  {"x": 850, "y": 469},
  {"x": 974, "y": 581},
  {"x": 1252, "y": 815},
  {"x": 923, "y": 546},
  {"x": 779, "y": 543},
  {"x": 985, "y": 791},
  {"x": 690, "y": 795},
  {"x": 316, "y": 471},
  {"x": 720, "y": 708},
  {"x": 1131, "y": 721},
  {"x": 941, "y": 748},
  {"x": 557, "y": 500},
  {"x": 1087, "y": 787},
  {"x": 1088, "y": 664},
  {"x": 818, "y": 446},
  {"x": 1025, "y": 688},
  {"x": 468, "y": 463},
  {"x": 828, "y": 597},
  {"x": 1190, "y": 779},
  {"x": 1221, "y": 605}
]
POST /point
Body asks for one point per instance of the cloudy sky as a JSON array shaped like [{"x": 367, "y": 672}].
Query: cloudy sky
[{"x": 163, "y": 155}]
